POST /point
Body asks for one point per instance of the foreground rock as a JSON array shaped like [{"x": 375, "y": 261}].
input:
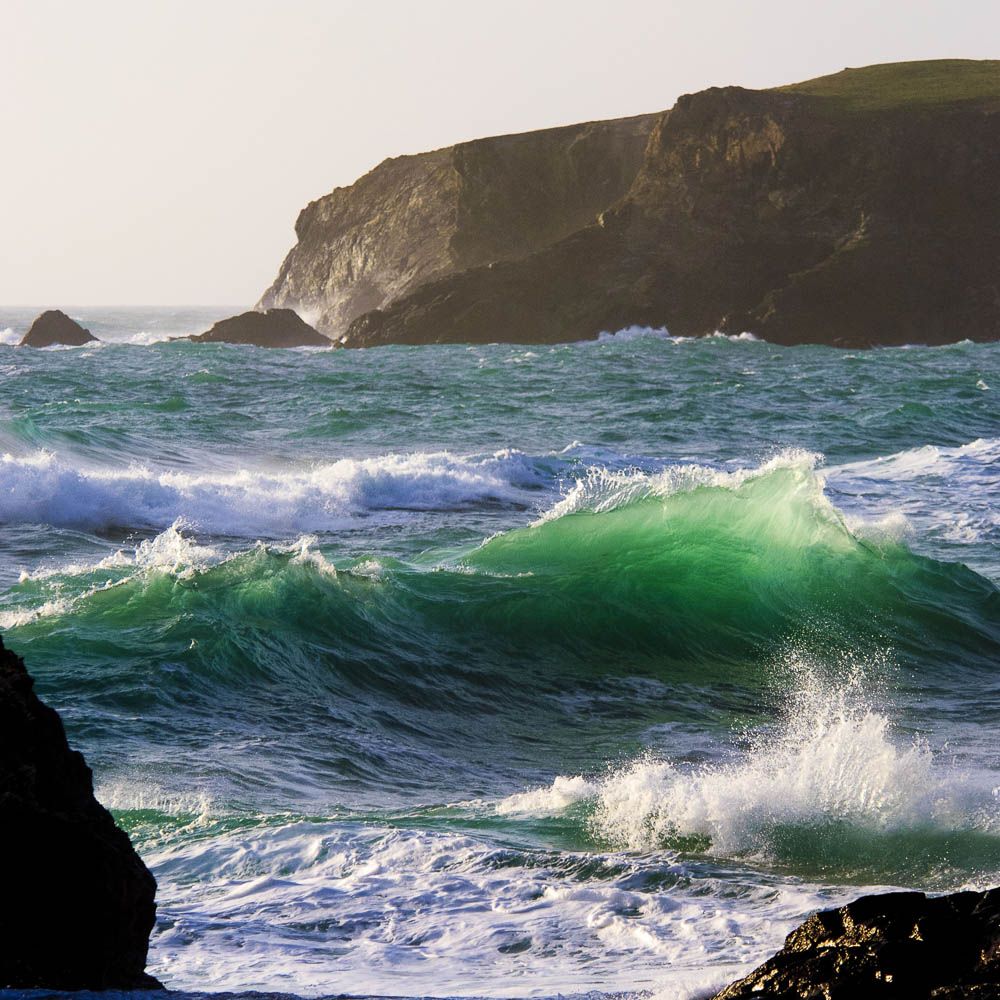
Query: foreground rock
[
  {"x": 853, "y": 210},
  {"x": 55, "y": 327},
  {"x": 274, "y": 328},
  {"x": 77, "y": 903},
  {"x": 900, "y": 945}
]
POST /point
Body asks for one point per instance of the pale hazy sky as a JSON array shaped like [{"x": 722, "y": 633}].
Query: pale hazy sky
[{"x": 158, "y": 153}]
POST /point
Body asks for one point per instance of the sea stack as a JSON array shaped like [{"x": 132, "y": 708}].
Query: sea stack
[
  {"x": 273, "y": 328},
  {"x": 900, "y": 946},
  {"x": 54, "y": 327},
  {"x": 77, "y": 903}
]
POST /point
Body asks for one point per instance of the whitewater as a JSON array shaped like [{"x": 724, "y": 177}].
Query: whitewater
[{"x": 509, "y": 671}]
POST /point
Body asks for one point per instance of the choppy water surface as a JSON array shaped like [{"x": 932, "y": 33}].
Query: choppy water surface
[{"x": 497, "y": 671}]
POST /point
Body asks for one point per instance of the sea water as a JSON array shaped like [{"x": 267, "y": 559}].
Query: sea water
[{"x": 510, "y": 671}]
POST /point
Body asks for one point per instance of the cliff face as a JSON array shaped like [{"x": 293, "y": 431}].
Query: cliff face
[
  {"x": 854, "y": 210},
  {"x": 77, "y": 902},
  {"x": 414, "y": 219}
]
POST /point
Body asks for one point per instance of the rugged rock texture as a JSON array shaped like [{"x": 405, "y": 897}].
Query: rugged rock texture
[
  {"x": 274, "y": 328},
  {"x": 77, "y": 903},
  {"x": 55, "y": 327},
  {"x": 417, "y": 218},
  {"x": 900, "y": 945},
  {"x": 852, "y": 210}
]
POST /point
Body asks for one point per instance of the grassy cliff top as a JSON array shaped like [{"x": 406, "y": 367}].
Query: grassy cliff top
[{"x": 930, "y": 84}]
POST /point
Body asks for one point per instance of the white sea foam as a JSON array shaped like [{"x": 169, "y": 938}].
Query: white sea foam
[
  {"x": 172, "y": 551},
  {"x": 251, "y": 502},
  {"x": 942, "y": 493},
  {"x": 929, "y": 460},
  {"x": 413, "y": 912},
  {"x": 603, "y": 489},
  {"x": 8, "y": 336},
  {"x": 132, "y": 796},
  {"x": 833, "y": 760},
  {"x": 144, "y": 338},
  {"x": 634, "y": 332}
]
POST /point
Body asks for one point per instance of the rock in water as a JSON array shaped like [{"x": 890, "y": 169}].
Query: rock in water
[
  {"x": 274, "y": 328},
  {"x": 54, "y": 327},
  {"x": 77, "y": 903},
  {"x": 900, "y": 945}
]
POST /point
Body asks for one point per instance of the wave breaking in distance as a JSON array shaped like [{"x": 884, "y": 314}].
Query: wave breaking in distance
[{"x": 44, "y": 488}]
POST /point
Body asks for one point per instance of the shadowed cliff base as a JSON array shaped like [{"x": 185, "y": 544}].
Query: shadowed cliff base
[
  {"x": 77, "y": 904},
  {"x": 854, "y": 210}
]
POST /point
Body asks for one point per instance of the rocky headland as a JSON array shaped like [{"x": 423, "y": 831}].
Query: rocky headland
[
  {"x": 415, "y": 219},
  {"x": 897, "y": 946},
  {"x": 272, "y": 328},
  {"x": 54, "y": 327},
  {"x": 857, "y": 209},
  {"x": 77, "y": 903}
]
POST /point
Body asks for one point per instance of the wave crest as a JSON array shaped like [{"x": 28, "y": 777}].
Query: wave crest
[{"x": 252, "y": 502}]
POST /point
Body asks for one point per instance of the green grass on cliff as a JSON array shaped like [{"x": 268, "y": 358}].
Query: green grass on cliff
[{"x": 931, "y": 84}]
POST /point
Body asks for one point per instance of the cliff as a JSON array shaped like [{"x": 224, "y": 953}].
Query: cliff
[
  {"x": 854, "y": 210},
  {"x": 417, "y": 218},
  {"x": 77, "y": 903}
]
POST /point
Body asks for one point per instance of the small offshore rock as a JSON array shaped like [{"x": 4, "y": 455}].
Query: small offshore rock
[
  {"x": 77, "y": 903},
  {"x": 273, "y": 328},
  {"x": 897, "y": 946},
  {"x": 54, "y": 327}
]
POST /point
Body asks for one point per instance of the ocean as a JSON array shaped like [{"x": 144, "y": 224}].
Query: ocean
[{"x": 510, "y": 671}]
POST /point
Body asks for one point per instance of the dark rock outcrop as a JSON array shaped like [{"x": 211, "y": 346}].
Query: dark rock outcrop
[
  {"x": 414, "y": 219},
  {"x": 274, "y": 328},
  {"x": 76, "y": 903},
  {"x": 900, "y": 946},
  {"x": 852, "y": 210},
  {"x": 54, "y": 327}
]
